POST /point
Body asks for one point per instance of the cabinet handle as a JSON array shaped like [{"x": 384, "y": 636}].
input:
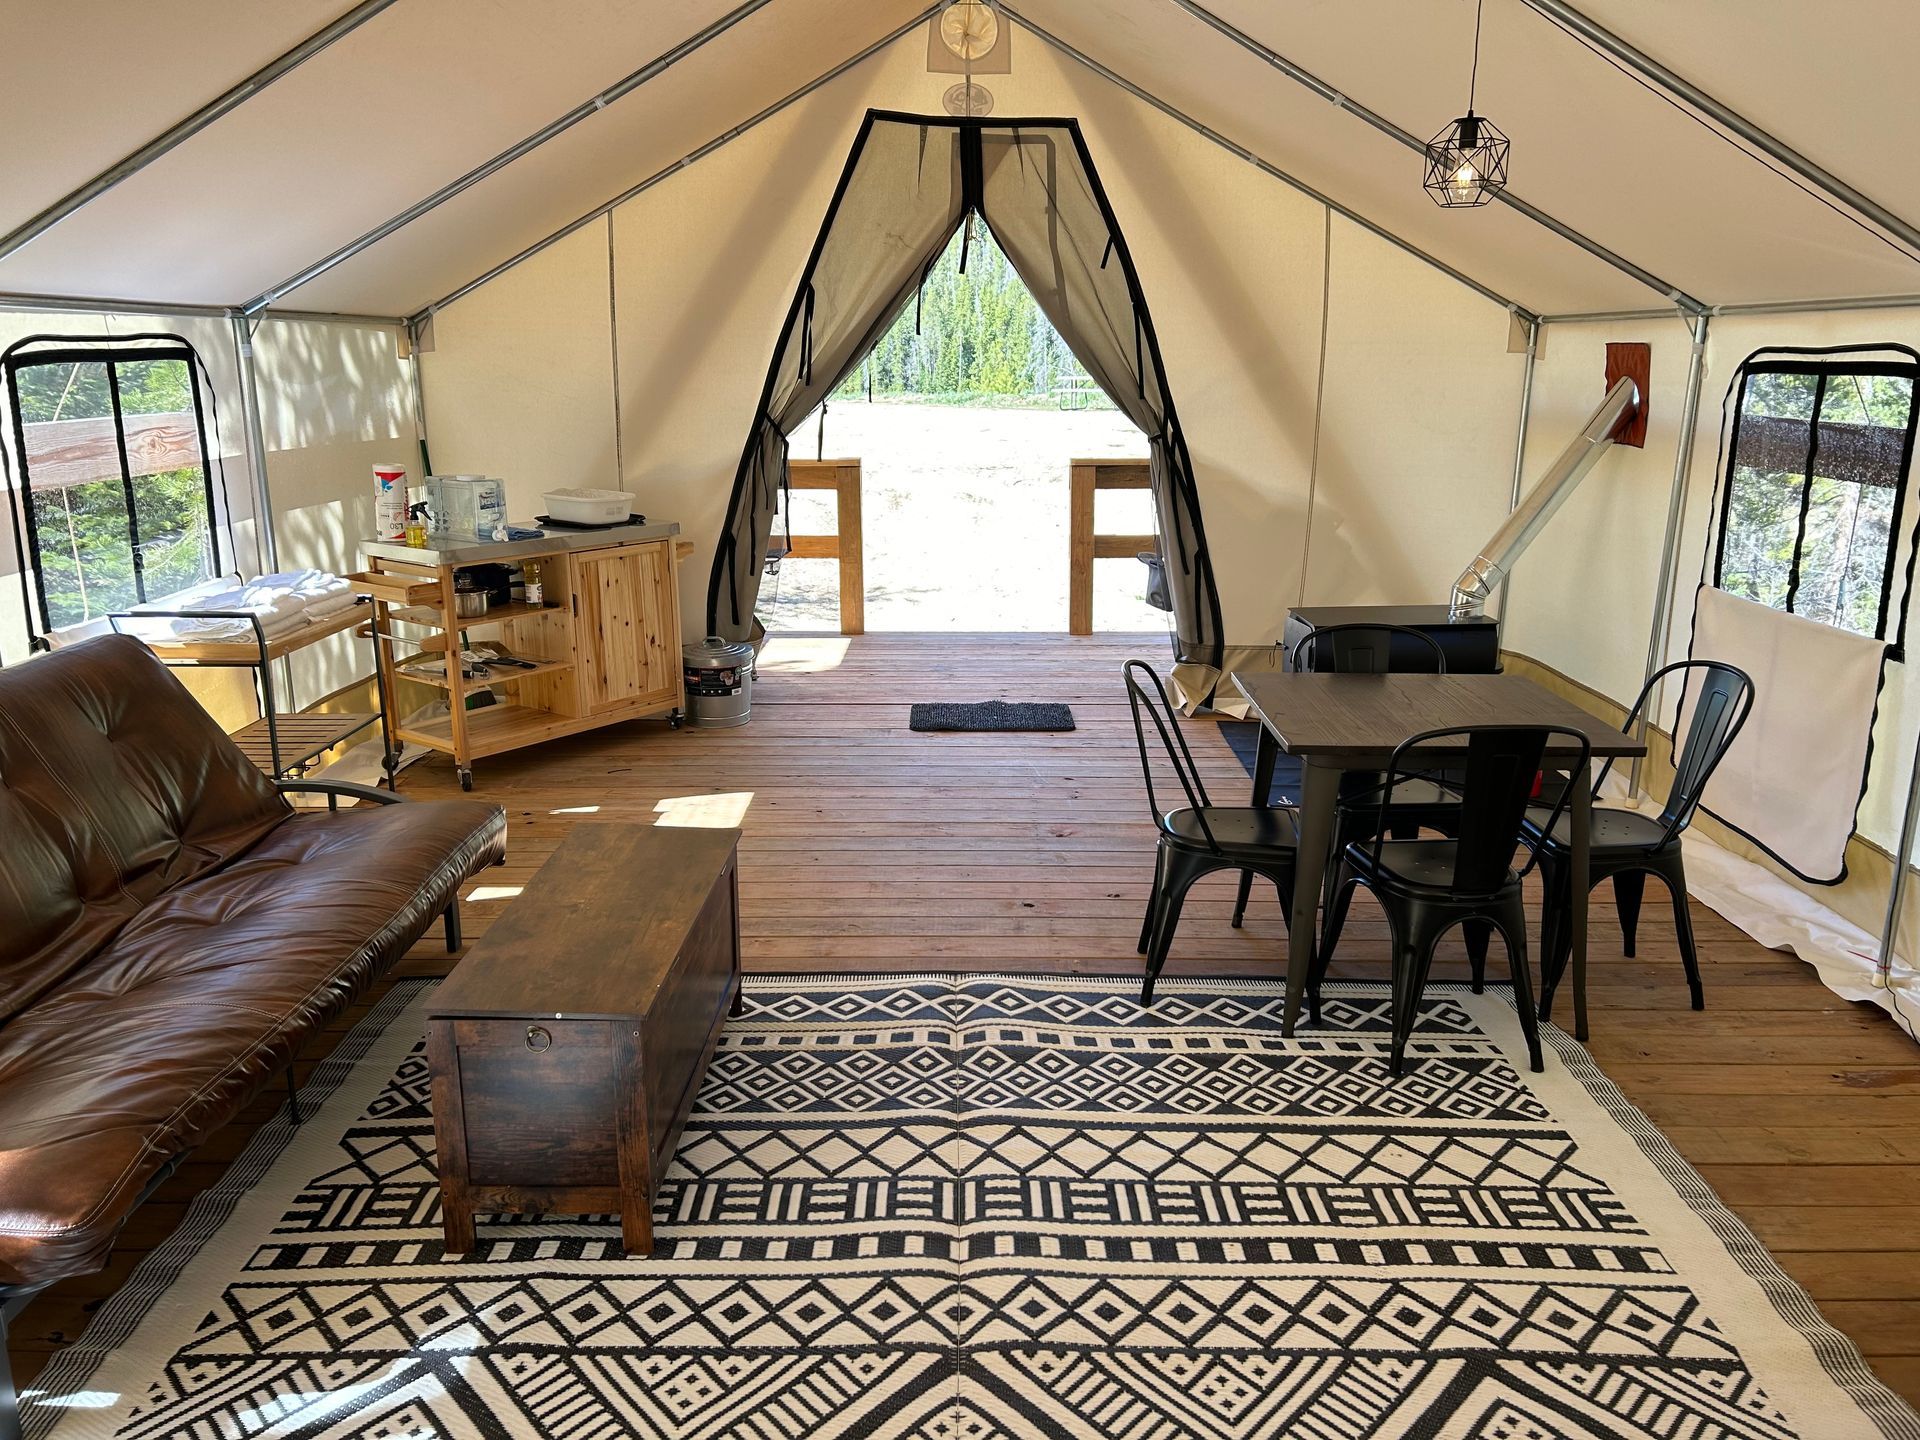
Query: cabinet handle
[{"x": 539, "y": 1038}]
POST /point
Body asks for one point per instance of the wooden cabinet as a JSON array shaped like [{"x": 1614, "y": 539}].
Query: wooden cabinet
[
  {"x": 566, "y": 1056},
  {"x": 628, "y": 606},
  {"x": 604, "y": 641}
]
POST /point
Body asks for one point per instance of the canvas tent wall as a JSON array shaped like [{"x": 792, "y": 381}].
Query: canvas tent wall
[{"x": 1356, "y": 403}]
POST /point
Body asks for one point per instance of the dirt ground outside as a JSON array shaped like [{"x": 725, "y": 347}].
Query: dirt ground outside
[{"x": 966, "y": 520}]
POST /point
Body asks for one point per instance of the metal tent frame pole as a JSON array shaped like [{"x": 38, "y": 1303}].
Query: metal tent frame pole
[
  {"x": 130, "y": 165},
  {"x": 1670, "y": 541},
  {"x": 1680, "y": 88},
  {"x": 585, "y": 110},
  {"x": 1897, "y": 891},
  {"x": 1341, "y": 101},
  {"x": 256, "y": 442},
  {"x": 1520, "y": 442},
  {"x": 1266, "y": 167},
  {"x": 826, "y": 77}
]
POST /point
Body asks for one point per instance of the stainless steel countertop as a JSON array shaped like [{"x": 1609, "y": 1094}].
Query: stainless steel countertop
[{"x": 463, "y": 552}]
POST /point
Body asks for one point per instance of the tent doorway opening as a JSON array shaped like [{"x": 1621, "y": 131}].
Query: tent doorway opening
[{"x": 965, "y": 419}]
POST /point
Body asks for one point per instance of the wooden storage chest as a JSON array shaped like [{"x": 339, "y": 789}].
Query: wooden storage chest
[{"x": 567, "y": 1047}]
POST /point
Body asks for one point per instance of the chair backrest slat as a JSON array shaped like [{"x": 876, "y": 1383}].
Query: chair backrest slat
[
  {"x": 1148, "y": 701},
  {"x": 1495, "y": 783},
  {"x": 1364, "y": 648},
  {"x": 1725, "y": 700}
]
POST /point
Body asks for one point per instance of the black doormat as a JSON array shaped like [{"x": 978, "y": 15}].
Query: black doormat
[{"x": 990, "y": 715}]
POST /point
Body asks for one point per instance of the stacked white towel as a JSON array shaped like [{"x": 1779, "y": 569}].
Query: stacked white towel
[
  {"x": 284, "y": 603},
  {"x": 322, "y": 593}
]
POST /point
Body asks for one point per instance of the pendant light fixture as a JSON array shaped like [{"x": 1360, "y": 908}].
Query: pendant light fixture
[{"x": 1467, "y": 161}]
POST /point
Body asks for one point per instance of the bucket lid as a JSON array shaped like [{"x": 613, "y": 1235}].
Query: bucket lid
[{"x": 714, "y": 651}]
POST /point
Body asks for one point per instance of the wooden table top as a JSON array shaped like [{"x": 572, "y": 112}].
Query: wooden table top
[
  {"x": 596, "y": 930},
  {"x": 1340, "y": 717}
]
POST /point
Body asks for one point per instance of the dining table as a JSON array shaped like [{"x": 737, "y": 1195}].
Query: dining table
[{"x": 1337, "y": 723}]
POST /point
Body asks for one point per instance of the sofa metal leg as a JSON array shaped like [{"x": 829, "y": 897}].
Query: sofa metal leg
[
  {"x": 9, "y": 1397},
  {"x": 293, "y": 1097},
  {"x": 12, "y": 1301},
  {"x": 452, "y": 918}
]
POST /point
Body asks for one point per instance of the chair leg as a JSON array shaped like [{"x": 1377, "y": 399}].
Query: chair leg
[
  {"x": 1513, "y": 929},
  {"x": 1556, "y": 941},
  {"x": 1478, "y": 935},
  {"x": 452, "y": 919},
  {"x": 1173, "y": 895},
  {"x": 1240, "y": 900},
  {"x": 1411, "y": 963},
  {"x": 1153, "y": 898},
  {"x": 1339, "y": 898},
  {"x": 1683, "y": 931},
  {"x": 1628, "y": 887}
]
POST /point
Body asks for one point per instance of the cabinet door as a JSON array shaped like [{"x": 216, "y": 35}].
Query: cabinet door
[{"x": 628, "y": 632}]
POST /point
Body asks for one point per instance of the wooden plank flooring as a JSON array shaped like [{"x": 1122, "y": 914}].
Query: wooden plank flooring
[{"x": 869, "y": 848}]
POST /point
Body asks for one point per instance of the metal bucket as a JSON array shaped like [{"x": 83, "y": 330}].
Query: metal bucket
[{"x": 719, "y": 676}]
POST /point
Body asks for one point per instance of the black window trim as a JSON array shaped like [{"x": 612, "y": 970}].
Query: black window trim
[
  {"x": 1824, "y": 362},
  {"x": 110, "y": 351}
]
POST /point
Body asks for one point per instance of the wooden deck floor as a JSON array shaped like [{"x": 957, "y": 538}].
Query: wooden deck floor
[{"x": 869, "y": 848}]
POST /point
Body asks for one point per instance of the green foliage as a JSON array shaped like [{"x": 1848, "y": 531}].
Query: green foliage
[
  {"x": 1841, "y": 561},
  {"x": 974, "y": 334},
  {"x": 86, "y": 554}
]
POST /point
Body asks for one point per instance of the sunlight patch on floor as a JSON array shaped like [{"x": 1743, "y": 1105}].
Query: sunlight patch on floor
[
  {"x": 722, "y": 811},
  {"x": 802, "y": 654}
]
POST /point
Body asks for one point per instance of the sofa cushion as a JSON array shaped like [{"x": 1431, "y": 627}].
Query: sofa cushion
[
  {"x": 165, "y": 1033},
  {"x": 115, "y": 786}
]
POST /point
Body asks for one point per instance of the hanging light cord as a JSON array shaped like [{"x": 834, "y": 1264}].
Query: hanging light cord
[{"x": 1473, "y": 75}]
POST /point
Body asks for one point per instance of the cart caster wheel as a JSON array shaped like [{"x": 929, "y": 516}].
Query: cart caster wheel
[
  {"x": 675, "y": 719},
  {"x": 466, "y": 779}
]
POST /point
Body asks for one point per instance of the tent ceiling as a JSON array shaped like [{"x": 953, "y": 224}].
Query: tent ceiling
[
  {"x": 100, "y": 79},
  {"x": 1592, "y": 145},
  {"x": 428, "y": 89},
  {"x": 730, "y": 79}
]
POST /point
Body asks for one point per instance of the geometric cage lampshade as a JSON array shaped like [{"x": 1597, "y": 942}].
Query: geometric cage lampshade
[{"x": 1466, "y": 163}]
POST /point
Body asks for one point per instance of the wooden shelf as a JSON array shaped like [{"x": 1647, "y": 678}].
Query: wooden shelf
[
  {"x": 395, "y": 589},
  {"x": 499, "y": 675},
  {"x": 495, "y": 728},
  {"x": 246, "y": 652},
  {"x": 433, "y": 615},
  {"x": 302, "y": 737}
]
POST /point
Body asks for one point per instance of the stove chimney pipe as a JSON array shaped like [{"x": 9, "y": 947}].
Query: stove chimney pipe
[{"x": 1490, "y": 567}]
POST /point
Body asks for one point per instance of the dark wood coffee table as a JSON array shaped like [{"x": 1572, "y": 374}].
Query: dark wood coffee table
[
  {"x": 1336, "y": 723},
  {"x": 567, "y": 1046}
]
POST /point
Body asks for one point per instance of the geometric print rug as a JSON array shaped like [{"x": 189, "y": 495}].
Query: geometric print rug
[{"x": 983, "y": 1207}]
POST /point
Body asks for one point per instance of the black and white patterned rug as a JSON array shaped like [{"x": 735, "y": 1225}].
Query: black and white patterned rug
[{"x": 988, "y": 1207}]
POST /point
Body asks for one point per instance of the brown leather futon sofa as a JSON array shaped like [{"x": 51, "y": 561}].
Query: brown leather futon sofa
[{"x": 171, "y": 931}]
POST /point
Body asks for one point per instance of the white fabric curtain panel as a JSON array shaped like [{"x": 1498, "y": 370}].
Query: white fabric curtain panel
[
  {"x": 909, "y": 184},
  {"x": 1792, "y": 781}
]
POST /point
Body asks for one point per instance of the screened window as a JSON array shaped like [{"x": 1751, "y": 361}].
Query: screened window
[
  {"x": 1815, "y": 490},
  {"x": 115, "y": 497}
]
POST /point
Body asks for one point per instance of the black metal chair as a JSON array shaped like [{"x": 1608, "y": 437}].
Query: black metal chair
[
  {"x": 1420, "y": 802},
  {"x": 1201, "y": 837},
  {"x": 1625, "y": 846},
  {"x": 1427, "y": 887}
]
